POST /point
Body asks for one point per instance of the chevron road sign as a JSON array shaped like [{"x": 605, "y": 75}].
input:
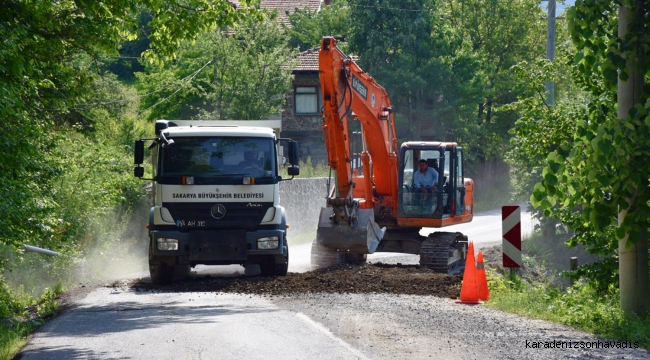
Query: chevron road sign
[{"x": 511, "y": 216}]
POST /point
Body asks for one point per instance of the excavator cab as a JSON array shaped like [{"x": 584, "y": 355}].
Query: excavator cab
[{"x": 449, "y": 197}]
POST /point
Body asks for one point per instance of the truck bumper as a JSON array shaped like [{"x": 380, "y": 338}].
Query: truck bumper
[{"x": 216, "y": 247}]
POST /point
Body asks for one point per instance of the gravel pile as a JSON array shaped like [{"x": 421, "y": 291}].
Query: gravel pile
[{"x": 343, "y": 278}]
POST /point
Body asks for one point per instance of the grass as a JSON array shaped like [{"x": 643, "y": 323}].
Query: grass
[
  {"x": 21, "y": 314},
  {"x": 310, "y": 170},
  {"x": 580, "y": 306}
]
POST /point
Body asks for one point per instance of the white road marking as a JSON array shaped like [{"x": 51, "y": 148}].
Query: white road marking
[{"x": 318, "y": 326}]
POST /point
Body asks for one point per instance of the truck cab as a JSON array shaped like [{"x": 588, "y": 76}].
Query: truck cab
[{"x": 216, "y": 197}]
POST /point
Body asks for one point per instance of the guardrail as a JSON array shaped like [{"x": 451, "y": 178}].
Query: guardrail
[{"x": 40, "y": 250}]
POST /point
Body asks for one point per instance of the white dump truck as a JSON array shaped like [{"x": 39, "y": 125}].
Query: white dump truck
[{"x": 216, "y": 197}]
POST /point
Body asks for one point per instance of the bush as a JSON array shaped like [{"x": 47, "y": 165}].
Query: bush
[
  {"x": 581, "y": 306},
  {"x": 310, "y": 170}
]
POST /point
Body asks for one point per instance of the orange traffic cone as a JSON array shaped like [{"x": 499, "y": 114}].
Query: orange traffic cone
[
  {"x": 483, "y": 291},
  {"x": 469, "y": 290}
]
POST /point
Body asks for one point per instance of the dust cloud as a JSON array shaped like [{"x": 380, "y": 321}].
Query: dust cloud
[
  {"x": 122, "y": 253},
  {"x": 303, "y": 199}
]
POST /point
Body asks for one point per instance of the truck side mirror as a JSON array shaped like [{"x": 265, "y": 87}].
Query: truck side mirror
[
  {"x": 293, "y": 153},
  {"x": 138, "y": 153},
  {"x": 293, "y": 170},
  {"x": 138, "y": 171}
]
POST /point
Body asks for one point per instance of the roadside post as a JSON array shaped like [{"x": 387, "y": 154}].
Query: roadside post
[
  {"x": 573, "y": 267},
  {"x": 511, "y": 231}
]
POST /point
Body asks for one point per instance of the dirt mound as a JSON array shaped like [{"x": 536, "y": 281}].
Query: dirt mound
[{"x": 344, "y": 278}]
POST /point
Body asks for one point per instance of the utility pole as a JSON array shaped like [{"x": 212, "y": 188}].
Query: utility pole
[
  {"x": 632, "y": 260},
  {"x": 216, "y": 83},
  {"x": 550, "y": 50}
]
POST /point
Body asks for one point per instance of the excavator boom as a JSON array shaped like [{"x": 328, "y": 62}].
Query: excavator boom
[{"x": 347, "y": 89}]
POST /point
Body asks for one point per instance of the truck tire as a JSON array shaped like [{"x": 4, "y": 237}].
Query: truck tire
[
  {"x": 181, "y": 272},
  {"x": 161, "y": 274},
  {"x": 270, "y": 268}
]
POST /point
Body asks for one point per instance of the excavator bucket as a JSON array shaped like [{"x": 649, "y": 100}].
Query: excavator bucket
[{"x": 336, "y": 242}]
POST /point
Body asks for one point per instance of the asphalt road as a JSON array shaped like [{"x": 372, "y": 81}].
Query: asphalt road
[
  {"x": 114, "y": 324},
  {"x": 119, "y": 322}
]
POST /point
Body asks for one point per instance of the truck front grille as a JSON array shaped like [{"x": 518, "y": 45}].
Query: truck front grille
[{"x": 198, "y": 215}]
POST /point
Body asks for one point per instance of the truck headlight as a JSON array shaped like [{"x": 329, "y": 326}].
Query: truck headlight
[
  {"x": 268, "y": 243},
  {"x": 167, "y": 244}
]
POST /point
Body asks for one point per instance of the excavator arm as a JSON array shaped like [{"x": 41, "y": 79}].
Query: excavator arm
[{"x": 347, "y": 90}]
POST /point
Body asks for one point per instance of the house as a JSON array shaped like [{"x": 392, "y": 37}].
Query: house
[{"x": 301, "y": 117}]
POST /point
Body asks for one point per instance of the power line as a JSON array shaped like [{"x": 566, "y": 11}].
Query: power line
[
  {"x": 82, "y": 106},
  {"x": 192, "y": 76}
]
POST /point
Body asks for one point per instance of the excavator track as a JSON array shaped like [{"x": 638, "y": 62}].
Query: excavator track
[{"x": 444, "y": 252}]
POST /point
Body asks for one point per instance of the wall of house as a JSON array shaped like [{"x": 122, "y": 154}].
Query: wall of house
[{"x": 306, "y": 129}]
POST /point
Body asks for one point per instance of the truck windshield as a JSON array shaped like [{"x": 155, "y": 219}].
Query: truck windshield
[{"x": 214, "y": 158}]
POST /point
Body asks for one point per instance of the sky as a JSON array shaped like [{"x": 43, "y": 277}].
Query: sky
[{"x": 559, "y": 7}]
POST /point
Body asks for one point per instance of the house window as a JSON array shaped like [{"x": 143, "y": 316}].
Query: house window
[{"x": 306, "y": 100}]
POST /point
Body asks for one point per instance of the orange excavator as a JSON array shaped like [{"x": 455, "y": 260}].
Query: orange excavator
[{"x": 374, "y": 204}]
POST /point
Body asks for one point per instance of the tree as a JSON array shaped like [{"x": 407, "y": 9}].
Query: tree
[
  {"x": 42, "y": 81},
  {"x": 308, "y": 28},
  {"x": 242, "y": 74},
  {"x": 601, "y": 173},
  {"x": 501, "y": 34}
]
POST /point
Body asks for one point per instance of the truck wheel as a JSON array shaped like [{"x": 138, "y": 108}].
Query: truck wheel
[
  {"x": 281, "y": 269},
  {"x": 270, "y": 268},
  {"x": 161, "y": 274},
  {"x": 182, "y": 271}
]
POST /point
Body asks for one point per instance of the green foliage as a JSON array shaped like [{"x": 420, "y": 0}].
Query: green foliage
[
  {"x": 499, "y": 34},
  {"x": 249, "y": 71},
  {"x": 582, "y": 307},
  {"x": 308, "y": 28},
  {"x": 601, "y": 168},
  {"x": 21, "y": 314},
  {"x": 9, "y": 305},
  {"x": 310, "y": 170},
  {"x": 45, "y": 77}
]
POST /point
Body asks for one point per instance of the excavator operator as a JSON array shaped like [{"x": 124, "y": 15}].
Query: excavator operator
[{"x": 425, "y": 179}]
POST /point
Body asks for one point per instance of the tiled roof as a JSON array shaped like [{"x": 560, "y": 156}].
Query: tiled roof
[
  {"x": 290, "y": 5},
  {"x": 308, "y": 60},
  {"x": 285, "y": 5}
]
